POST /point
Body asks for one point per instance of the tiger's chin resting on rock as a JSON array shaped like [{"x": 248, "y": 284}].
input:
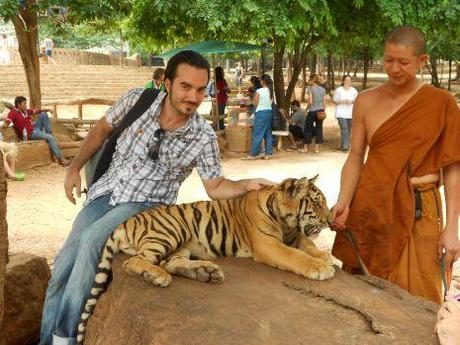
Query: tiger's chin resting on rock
[{"x": 274, "y": 225}]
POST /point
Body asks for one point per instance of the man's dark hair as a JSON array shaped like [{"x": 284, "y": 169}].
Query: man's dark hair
[
  {"x": 407, "y": 35},
  {"x": 18, "y": 100},
  {"x": 188, "y": 57},
  {"x": 296, "y": 103}
]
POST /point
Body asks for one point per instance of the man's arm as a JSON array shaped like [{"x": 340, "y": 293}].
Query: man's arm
[
  {"x": 220, "y": 188},
  {"x": 91, "y": 144},
  {"x": 351, "y": 171},
  {"x": 449, "y": 239}
]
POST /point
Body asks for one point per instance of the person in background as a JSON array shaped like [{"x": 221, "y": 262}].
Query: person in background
[
  {"x": 157, "y": 81},
  {"x": 221, "y": 93},
  {"x": 49, "y": 45},
  {"x": 344, "y": 97},
  {"x": 21, "y": 117},
  {"x": 296, "y": 125},
  {"x": 263, "y": 120},
  {"x": 238, "y": 76},
  {"x": 317, "y": 103},
  {"x": 4, "y": 53}
]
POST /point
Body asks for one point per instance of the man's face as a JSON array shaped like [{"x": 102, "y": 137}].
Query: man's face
[
  {"x": 187, "y": 90},
  {"x": 22, "y": 106},
  {"x": 401, "y": 63}
]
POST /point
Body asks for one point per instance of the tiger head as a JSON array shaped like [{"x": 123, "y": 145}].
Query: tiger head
[{"x": 302, "y": 207}]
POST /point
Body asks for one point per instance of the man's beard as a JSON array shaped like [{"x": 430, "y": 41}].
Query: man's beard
[{"x": 175, "y": 106}]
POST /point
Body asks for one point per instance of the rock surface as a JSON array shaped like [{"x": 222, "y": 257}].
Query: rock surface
[
  {"x": 258, "y": 305},
  {"x": 27, "y": 278}
]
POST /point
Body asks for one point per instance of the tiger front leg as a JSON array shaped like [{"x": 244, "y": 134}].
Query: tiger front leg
[
  {"x": 139, "y": 265},
  {"x": 277, "y": 254},
  {"x": 179, "y": 263},
  {"x": 308, "y": 246}
]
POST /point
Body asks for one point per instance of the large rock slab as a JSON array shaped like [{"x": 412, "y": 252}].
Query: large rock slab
[
  {"x": 27, "y": 278},
  {"x": 258, "y": 305}
]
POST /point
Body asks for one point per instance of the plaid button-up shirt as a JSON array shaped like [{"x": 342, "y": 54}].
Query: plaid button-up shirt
[{"x": 134, "y": 177}]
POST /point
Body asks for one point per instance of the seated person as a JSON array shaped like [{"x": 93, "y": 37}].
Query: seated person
[
  {"x": 21, "y": 117},
  {"x": 296, "y": 124},
  {"x": 448, "y": 326}
]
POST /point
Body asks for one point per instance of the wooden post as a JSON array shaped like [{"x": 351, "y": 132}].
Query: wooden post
[
  {"x": 3, "y": 237},
  {"x": 55, "y": 110}
]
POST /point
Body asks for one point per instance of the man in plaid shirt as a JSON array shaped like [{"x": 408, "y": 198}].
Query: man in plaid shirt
[{"x": 152, "y": 159}]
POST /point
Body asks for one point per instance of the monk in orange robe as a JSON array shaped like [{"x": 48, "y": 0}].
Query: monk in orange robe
[{"x": 391, "y": 203}]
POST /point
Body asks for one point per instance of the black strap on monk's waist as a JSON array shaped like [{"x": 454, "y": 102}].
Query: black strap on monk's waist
[{"x": 418, "y": 204}]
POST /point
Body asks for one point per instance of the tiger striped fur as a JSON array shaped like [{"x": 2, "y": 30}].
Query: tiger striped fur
[{"x": 264, "y": 224}]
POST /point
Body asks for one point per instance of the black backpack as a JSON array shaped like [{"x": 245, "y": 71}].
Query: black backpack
[{"x": 99, "y": 163}]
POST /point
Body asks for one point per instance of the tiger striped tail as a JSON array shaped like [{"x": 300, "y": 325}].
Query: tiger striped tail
[{"x": 101, "y": 282}]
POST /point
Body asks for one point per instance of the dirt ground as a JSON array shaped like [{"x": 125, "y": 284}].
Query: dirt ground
[{"x": 40, "y": 217}]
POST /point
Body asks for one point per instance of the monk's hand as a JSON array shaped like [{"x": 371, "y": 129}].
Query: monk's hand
[
  {"x": 257, "y": 183},
  {"x": 339, "y": 216},
  {"x": 449, "y": 244}
]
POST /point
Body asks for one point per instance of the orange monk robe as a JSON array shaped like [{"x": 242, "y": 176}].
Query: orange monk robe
[{"x": 421, "y": 138}]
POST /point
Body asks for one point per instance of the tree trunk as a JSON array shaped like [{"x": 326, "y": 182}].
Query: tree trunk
[
  {"x": 289, "y": 67},
  {"x": 121, "y": 48},
  {"x": 330, "y": 73},
  {"x": 355, "y": 71},
  {"x": 312, "y": 64},
  {"x": 457, "y": 78},
  {"x": 450, "y": 74},
  {"x": 433, "y": 68},
  {"x": 365, "y": 66},
  {"x": 3, "y": 237},
  {"x": 304, "y": 81},
  {"x": 279, "y": 46},
  {"x": 25, "y": 26}
]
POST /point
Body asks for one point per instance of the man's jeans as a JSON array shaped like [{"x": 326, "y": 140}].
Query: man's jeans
[
  {"x": 76, "y": 264},
  {"x": 262, "y": 130},
  {"x": 345, "y": 131},
  {"x": 42, "y": 130}
]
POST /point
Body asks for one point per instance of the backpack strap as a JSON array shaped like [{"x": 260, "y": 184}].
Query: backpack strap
[{"x": 146, "y": 99}]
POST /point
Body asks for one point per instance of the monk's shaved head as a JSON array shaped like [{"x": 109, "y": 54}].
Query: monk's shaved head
[{"x": 407, "y": 36}]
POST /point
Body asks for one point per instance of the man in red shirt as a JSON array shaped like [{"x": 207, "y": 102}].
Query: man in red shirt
[{"x": 21, "y": 117}]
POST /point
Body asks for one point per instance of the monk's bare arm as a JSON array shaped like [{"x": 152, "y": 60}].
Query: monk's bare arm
[
  {"x": 351, "y": 170},
  {"x": 449, "y": 239}
]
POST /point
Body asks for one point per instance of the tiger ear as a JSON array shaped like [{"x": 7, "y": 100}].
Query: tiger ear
[
  {"x": 299, "y": 187},
  {"x": 313, "y": 179}
]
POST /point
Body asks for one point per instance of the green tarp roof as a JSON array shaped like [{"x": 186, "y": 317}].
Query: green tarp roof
[{"x": 214, "y": 47}]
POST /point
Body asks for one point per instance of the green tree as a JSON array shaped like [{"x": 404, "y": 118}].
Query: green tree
[
  {"x": 24, "y": 16},
  {"x": 438, "y": 19},
  {"x": 289, "y": 26}
]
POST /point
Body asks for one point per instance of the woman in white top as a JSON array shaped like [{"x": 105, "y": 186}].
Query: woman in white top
[
  {"x": 262, "y": 119},
  {"x": 344, "y": 97}
]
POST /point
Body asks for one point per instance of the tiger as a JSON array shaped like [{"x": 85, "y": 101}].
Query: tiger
[{"x": 274, "y": 225}]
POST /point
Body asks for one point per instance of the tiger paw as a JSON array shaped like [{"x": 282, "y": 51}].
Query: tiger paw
[
  {"x": 210, "y": 273},
  {"x": 158, "y": 277},
  {"x": 319, "y": 270},
  {"x": 204, "y": 271},
  {"x": 325, "y": 256}
]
